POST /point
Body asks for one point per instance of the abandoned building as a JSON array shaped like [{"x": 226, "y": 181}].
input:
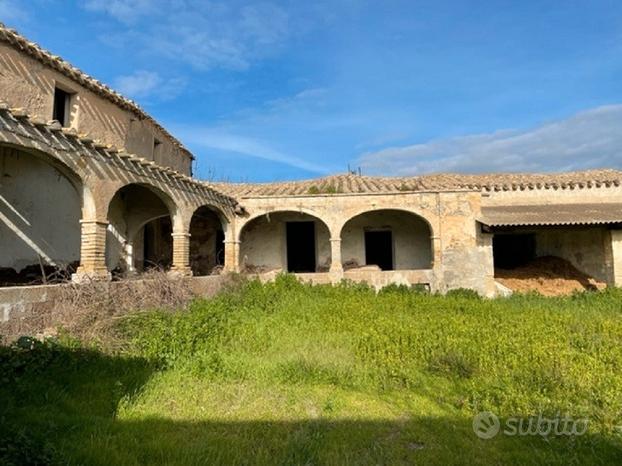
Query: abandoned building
[{"x": 92, "y": 188}]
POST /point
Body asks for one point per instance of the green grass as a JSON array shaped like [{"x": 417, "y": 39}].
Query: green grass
[{"x": 285, "y": 373}]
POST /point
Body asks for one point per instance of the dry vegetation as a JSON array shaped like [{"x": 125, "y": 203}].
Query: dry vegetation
[{"x": 89, "y": 311}]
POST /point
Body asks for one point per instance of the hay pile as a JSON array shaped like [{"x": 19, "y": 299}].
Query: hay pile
[{"x": 549, "y": 275}]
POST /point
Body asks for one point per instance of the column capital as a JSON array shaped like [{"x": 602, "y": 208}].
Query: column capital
[{"x": 94, "y": 221}]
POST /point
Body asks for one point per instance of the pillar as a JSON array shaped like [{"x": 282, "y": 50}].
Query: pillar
[
  {"x": 92, "y": 252},
  {"x": 181, "y": 254},
  {"x": 335, "y": 253},
  {"x": 232, "y": 256},
  {"x": 614, "y": 258}
]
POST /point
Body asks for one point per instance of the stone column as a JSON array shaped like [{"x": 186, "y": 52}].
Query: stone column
[
  {"x": 614, "y": 256},
  {"x": 335, "y": 254},
  {"x": 92, "y": 252},
  {"x": 181, "y": 254},
  {"x": 232, "y": 256}
]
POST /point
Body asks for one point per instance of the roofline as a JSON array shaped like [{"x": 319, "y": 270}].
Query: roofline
[
  {"x": 371, "y": 193},
  {"x": 21, "y": 44}
]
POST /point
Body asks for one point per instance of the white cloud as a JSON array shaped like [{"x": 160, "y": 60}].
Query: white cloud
[
  {"x": 589, "y": 139},
  {"x": 205, "y": 35},
  {"x": 221, "y": 139},
  {"x": 149, "y": 83}
]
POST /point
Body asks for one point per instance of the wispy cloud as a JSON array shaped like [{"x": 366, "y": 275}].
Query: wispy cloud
[
  {"x": 205, "y": 35},
  {"x": 589, "y": 139},
  {"x": 143, "y": 83},
  {"x": 222, "y": 139},
  {"x": 126, "y": 11}
]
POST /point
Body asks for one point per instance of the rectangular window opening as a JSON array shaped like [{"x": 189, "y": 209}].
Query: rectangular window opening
[
  {"x": 62, "y": 107},
  {"x": 156, "y": 148}
]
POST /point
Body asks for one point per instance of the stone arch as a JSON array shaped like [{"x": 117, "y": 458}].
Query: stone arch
[
  {"x": 390, "y": 238},
  {"x": 265, "y": 243},
  {"x": 140, "y": 225},
  {"x": 41, "y": 201},
  {"x": 208, "y": 227}
]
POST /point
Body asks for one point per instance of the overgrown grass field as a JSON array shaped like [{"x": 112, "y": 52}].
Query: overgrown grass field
[{"x": 285, "y": 373}]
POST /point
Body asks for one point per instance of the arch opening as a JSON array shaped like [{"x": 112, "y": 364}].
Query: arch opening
[
  {"x": 40, "y": 211},
  {"x": 207, "y": 242},
  {"x": 285, "y": 241},
  {"x": 139, "y": 235},
  {"x": 387, "y": 239}
]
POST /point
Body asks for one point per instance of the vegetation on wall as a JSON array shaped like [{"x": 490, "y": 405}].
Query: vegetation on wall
[{"x": 285, "y": 373}]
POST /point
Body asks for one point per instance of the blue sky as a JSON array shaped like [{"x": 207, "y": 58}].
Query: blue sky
[{"x": 286, "y": 90}]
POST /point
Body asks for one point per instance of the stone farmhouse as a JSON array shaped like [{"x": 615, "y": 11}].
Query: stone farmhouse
[{"x": 93, "y": 186}]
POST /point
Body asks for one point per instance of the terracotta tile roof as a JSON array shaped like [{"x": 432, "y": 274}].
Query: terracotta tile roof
[
  {"x": 17, "y": 41},
  {"x": 553, "y": 214},
  {"x": 353, "y": 184}
]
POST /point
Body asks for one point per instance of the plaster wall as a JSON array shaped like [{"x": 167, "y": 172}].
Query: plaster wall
[
  {"x": 264, "y": 241},
  {"x": 412, "y": 247},
  {"x": 39, "y": 213},
  {"x": 28, "y": 84}
]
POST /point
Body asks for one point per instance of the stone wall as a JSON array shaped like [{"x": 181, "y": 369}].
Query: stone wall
[{"x": 27, "y": 84}]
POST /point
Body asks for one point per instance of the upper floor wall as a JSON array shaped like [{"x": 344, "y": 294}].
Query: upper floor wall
[{"x": 44, "y": 92}]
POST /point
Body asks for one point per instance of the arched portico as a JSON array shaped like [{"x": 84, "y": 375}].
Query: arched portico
[
  {"x": 285, "y": 240},
  {"x": 139, "y": 233},
  {"x": 207, "y": 229},
  {"x": 40, "y": 211},
  {"x": 391, "y": 239}
]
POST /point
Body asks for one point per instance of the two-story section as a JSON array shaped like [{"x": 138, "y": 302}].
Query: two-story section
[{"x": 46, "y": 86}]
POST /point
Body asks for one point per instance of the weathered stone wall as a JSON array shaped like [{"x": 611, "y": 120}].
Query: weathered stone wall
[
  {"x": 465, "y": 252},
  {"x": 585, "y": 248},
  {"x": 40, "y": 210},
  {"x": 28, "y": 84}
]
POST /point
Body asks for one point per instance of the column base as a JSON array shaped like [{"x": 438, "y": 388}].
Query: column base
[
  {"x": 83, "y": 276},
  {"x": 180, "y": 272}
]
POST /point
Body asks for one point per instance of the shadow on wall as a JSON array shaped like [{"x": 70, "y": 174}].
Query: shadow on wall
[{"x": 59, "y": 405}]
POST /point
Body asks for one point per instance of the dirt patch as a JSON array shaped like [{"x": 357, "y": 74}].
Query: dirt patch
[{"x": 550, "y": 276}]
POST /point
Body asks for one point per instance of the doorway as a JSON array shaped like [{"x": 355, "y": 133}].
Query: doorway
[
  {"x": 300, "y": 246},
  {"x": 379, "y": 249}
]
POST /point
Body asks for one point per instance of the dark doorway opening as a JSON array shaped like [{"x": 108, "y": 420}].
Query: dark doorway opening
[
  {"x": 301, "y": 247},
  {"x": 220, "y": 247},
  {"x": 379, "y": 249},
  {"x": 513, "y": 250}
]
